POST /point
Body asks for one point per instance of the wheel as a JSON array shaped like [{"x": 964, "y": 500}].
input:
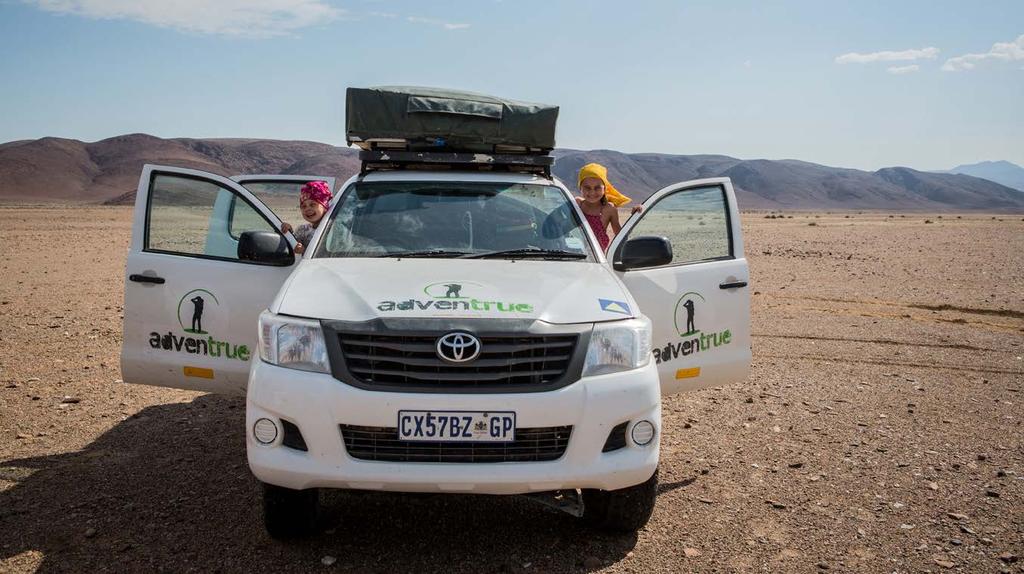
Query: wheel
[
  {"x": 625, "y": 510},
  {"x": 290, "y": 513}
]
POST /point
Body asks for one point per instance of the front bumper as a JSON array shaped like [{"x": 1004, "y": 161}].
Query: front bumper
[{"x": 318, "y": 403}]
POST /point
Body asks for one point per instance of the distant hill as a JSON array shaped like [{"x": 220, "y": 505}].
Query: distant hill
[
  {"x": 54, "y": 169},
  {"x": 1004, "y": 172},
  {"x": 791, "y": 184},
  {"x": 65, "y": 170}
]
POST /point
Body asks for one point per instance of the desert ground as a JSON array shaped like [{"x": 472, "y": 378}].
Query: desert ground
[{"x": 880, "y": 429}]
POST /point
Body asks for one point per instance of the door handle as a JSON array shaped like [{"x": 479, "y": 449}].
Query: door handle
[
  {"x": 732, "y": 285},
  {"x": 146, "y": 279}
]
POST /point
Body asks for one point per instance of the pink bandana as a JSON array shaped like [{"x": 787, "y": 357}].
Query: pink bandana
[{"x": 317, "y": 191}]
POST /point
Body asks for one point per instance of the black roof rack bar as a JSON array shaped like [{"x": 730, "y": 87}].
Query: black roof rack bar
[{"x": 399, "y": 159}]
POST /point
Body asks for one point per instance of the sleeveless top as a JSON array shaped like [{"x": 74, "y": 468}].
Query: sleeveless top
[{"x": 599, "y": 230}]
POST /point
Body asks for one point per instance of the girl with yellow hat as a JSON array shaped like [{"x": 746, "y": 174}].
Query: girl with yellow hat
[{"x": 599, "y": 199}]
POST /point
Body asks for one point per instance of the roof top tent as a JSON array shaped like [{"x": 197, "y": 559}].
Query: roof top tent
[{"x": 429, "y": 128}]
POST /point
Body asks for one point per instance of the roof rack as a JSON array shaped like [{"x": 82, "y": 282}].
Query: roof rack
[{"x": 391, "y": 159}]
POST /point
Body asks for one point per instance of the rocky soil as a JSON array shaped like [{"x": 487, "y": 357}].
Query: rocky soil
[{"x": 880, "y": 430}]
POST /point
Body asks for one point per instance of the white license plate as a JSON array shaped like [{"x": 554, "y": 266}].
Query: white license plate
[{"x": 457, "y": 426}]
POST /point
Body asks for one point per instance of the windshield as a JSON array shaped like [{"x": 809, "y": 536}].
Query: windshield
[{"x": 454, "y": 219}]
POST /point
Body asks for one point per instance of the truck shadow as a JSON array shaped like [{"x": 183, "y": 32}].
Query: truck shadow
[{"x": 168, "y": 489}]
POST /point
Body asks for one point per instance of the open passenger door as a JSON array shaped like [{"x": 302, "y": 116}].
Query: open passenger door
[
  {"x": 206, "y": 258},
  {"x": 698, "y": 300}
]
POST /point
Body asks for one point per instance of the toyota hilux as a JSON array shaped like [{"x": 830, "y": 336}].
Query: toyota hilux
[{"x": 445, "y": 331}]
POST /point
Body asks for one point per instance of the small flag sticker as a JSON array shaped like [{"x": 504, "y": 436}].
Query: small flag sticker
[{"x": 614, "y": 306}]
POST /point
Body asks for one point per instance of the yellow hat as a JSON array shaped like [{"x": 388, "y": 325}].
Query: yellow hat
[{"x": 599, "y": 171}]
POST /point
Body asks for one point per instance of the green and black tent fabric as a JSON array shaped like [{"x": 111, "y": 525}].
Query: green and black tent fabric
[{"x": 429, "y": 118}]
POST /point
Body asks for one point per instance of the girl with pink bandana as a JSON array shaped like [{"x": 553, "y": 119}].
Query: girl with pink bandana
[{"x": 314, "y": 198}]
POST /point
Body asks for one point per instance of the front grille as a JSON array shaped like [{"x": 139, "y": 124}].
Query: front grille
[
  {"x": 410, "y": 360},
  {"x": 382, "y": 444}
]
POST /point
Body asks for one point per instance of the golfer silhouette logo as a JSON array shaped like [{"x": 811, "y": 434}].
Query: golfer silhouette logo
[
  {"x": 689, "y": 315},
  {"x": 197, "y": 314},
  {"x": 685, "y": 313},
  {"x": 201, "y": 301},
  {"x": 452, "y": 289}
]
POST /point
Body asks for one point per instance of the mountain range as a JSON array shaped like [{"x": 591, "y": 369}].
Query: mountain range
[
  {"x": 1004, "y": 172},
  {"x": 66, "y": 170}
]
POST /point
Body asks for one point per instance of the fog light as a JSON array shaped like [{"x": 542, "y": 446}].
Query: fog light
[
  {"x": 265, "y": 431},
  {"x": 643, "y": 433}
]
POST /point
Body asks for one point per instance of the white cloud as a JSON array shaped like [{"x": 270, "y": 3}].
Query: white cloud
[
  {"x": 435, "y": 22},
  {"x": 1002, "y": 51},
  {"x": 747, "y": 64},
  {"x": 898, "y": 70},
  {"x": 888, "y": 56},
  {"x": 244, "y": 18}
]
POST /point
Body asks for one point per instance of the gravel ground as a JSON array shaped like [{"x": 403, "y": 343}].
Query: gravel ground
[{"x": 880, "y": 430}]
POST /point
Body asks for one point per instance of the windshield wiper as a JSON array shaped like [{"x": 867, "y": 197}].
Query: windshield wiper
[
  {"x": 527, "y": 252},
  {"x": 426, "y": 253}
]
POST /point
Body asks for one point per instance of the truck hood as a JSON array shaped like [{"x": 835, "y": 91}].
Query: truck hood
[{"x": 358, "y": 289}]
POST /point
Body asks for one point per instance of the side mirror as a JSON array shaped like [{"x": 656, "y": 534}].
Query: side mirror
[
  {"x": 265, "y": 247},
  {"x": 643, "y": 252}
]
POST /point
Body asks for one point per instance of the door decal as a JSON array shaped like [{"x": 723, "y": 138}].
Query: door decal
[
  {"x": 198, "y": 301},
  {"x": 199, "y": 314},
  {"x": 694, "y": 340}
]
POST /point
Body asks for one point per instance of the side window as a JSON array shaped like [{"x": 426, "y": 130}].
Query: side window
[
  {"x": 244, "y": 218},
  {"x": 197, "y": 217},
  {"x": 695, "y": 221},
  {"x": 282, "y": 197}
]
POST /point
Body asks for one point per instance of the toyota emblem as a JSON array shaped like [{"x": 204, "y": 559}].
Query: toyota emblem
[{"x": 458, "y": 347}]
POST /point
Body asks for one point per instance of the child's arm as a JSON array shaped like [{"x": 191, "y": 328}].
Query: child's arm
[
  {"x": 287, "y": 228},
  {"x": 613, "y": 218}
]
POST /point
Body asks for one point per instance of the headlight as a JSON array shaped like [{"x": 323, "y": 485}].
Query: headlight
[
  {"x": 618, "y": 346},
  {"x": 292, "y": 343}
]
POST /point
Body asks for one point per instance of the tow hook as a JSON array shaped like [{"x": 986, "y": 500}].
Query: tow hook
[{"x": 568, "y": 501}]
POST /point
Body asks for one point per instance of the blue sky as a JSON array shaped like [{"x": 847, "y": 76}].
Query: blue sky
[{"x": 924, "y": 83}]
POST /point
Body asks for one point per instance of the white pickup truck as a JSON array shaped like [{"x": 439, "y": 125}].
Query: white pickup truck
[{"x": 444, "y": 331}]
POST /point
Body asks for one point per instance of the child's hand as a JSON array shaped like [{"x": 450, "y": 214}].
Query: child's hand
[
  {"x": 286, "y": 227},
  {"x": 300, "y": 248},
  {"x": 637, "y": 209}
]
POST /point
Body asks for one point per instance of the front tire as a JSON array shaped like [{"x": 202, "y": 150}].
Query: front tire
[
  {"x": 625, "y": 510},
  {"x": 290, "y": 513}
]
